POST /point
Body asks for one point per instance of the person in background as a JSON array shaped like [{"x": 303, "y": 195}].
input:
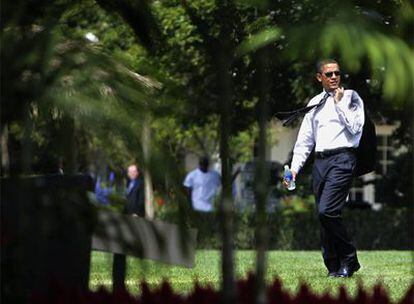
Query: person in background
[
  {"x": 135, "y": 193},
  {"x": 135, "y": 206},
  {"x": 102, "y": 192},
  {"x": 202, "y": 186}
]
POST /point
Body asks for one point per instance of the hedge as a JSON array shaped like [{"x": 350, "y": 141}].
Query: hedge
[{"x": 386, "y": 229}]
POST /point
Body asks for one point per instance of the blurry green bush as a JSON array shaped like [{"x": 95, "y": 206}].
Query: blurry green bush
[{"x": 289, "y": 229}]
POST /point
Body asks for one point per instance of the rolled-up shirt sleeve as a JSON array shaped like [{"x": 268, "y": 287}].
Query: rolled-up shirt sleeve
[
  {"x": 304, "y": 143},
  {"x": 351, "y": 112}
]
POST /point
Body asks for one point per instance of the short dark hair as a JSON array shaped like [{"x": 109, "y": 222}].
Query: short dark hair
[
  {"x": 204, "y": 160},
  {"x": 322, "y": 62}
]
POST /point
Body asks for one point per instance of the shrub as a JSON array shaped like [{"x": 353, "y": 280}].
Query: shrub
[{"x": 388, "y": 228}]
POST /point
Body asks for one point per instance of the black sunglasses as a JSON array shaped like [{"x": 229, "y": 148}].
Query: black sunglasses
[{"x": 330, "y": 74}]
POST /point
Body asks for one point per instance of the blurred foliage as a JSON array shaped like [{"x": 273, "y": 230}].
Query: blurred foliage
[
  {"x": 81, "y": 78},
  {"x": 295, "y": 204},
  {"x": 56, "y": 73},
  {"x": 65, "y": 97},
  {"x": 388, "y": 228}
]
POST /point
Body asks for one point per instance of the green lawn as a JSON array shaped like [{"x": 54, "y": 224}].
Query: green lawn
[{"x": 393, "y": 268}]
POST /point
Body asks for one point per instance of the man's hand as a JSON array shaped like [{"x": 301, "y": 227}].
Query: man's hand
[
  {"x": 285, "y": 183},
  {"x": 339, "y": 93}
]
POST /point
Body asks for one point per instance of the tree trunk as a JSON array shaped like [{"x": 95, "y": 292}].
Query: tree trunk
[
  {"x": 5, "y": 158},
  {"x": 228, "y": 287},
  {"x": 67, "y": 140},
  {"x": 27, "y": 157},
  {"x": 146, "y": 147},
  {"x": 261, "y": 181},
  {"x": 226, "y": 208}
]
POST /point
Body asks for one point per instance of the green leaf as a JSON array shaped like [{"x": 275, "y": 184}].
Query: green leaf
[{"x": 259, "y": 40}]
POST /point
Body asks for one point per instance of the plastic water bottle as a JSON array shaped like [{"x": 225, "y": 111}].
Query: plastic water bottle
[{"x": 288, "y": 177}]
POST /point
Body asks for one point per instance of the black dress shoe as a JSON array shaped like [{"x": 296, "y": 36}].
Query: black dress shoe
[
  {"x": 331, "y": 274},
  {"x": 347, "y": 271}
]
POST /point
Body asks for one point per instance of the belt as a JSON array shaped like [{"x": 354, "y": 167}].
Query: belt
[{"x": 327, "y": 153}]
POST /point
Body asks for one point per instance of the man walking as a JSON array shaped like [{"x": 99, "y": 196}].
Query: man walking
[
  {"x": 202, "y": 185},
  {"x": 334, "y": 129}
]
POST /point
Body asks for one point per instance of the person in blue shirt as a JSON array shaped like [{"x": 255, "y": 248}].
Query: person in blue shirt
[
  {"x": 102, "y": 193},
  {"x": 202, "y": 185}
]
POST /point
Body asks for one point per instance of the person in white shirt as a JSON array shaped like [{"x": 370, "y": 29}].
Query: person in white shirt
[
  {"x": 334, "y": 130},
  {"x": 202, "y": 185}
]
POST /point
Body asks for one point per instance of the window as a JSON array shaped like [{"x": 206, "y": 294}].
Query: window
[
  {"x": 357, "y": 191},
  {"x": 385, "y": 151}
]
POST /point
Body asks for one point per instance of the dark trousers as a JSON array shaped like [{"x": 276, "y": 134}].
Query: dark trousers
[
  {"x": 119, "y": 261},
  {"x": 332, "y": 179}
]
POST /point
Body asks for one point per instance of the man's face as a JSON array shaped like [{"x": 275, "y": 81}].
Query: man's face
[
  {"x": 133, "y": 172},
  {"x": 329, "y": 77}
]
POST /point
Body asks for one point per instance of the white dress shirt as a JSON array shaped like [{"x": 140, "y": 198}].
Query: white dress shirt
[{"x": 330, "y": 126}]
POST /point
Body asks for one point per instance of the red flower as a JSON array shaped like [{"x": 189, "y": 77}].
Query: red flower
[{"x": 160, "y": 201}]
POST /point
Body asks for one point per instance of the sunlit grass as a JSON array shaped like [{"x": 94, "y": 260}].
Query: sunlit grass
[{"x": 393, "y": 268}]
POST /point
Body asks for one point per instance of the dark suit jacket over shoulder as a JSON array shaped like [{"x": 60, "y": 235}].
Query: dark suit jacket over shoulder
[{"x": 136, "y": 199}]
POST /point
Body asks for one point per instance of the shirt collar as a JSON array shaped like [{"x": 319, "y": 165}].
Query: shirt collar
[{"x": 332, "y": 93}]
